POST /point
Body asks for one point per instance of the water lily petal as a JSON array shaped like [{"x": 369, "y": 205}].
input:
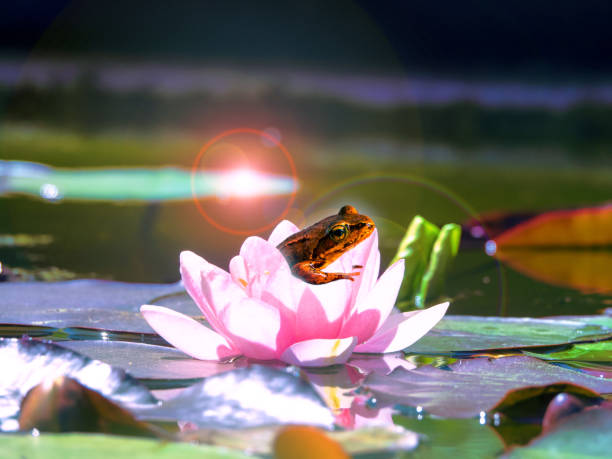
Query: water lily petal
[
  {"x": 374, "y": 308},
  {"x": 316, "y": 320},
  {"x": 238, "y": 271},
  {"x": 196, "y": 272},
  {"x": 188, "y": 335},
  {"x": 255, "y": 327},
  {"x": 319, "y": 352},
  {"x": 402, "y": 330},
  {"x": 281, "y": 232}
]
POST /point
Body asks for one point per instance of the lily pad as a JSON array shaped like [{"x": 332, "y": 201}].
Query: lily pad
[
  {"x": 147, "y": 361},
  {"x": 85, "y": 303},
  {"x": 600, "y": 352},
  {"x": 61, "y": 446},
  {"x": 456, "y": 334},
  {"x": 246, "y": 397},
  {"x": 366, "y": 441},
  {"x": 472, "y": 386},
  {"x": 27, "y": 363},
  {"x": 456, "y": 438},
  {"x": 584, "y": 434}
]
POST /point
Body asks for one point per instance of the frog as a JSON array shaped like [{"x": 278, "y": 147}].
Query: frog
[{"x": 310, "y": 250}]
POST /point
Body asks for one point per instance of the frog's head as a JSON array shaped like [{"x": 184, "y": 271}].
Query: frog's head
[{"x": 343, "y": 232}]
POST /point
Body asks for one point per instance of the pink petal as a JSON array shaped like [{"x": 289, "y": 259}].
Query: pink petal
[
  {"x": 374, "y": 308},
  {"x": 282, "y": 231},
  {"x": 210, "y": 287},
  {"x": 319, "y": 352},
  {"x": 402, "y": 330},
  {"x": 238, "y": 271},
  {"x": 254, "y": 327},
  {"x": 186, "y": 334},
  {"x": 367, "y": 255},
  {"x": 315, "y": 320},
  {"x": 269, "y": 277}
]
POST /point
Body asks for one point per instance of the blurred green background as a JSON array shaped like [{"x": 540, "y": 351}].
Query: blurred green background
[{"x": 451, "y": 111}]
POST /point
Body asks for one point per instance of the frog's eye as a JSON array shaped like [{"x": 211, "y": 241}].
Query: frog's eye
[{"x": 339, "y": 232}]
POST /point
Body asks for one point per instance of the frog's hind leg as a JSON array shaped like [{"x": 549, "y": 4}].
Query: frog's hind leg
[{"x": 309, "y": 273}]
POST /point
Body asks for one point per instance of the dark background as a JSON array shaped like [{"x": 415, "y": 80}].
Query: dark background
[{"x": 522, "y": 37}]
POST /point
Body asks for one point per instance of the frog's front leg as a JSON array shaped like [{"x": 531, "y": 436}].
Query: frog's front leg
[{"x": 308, "y": 272}]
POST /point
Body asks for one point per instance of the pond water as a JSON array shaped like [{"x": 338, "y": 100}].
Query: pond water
[{"x": 138, "y": 242}]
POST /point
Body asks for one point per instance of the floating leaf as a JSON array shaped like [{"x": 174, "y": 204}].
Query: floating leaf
[
  {"x": 27, "y": 363},
  {"x": 246, "y": 397},
  {"x": 456, "y": 438},
  {"x": 371, "y": 441},
  {"x": 600, "y": 352},
  {"x": 587, "y": 227},
  {"x": 147, "y": 361},
  {"x": 473, "y": 333},
  {"x": 65, "y": 405},
  {"x": 472, "y": 386},
  {"x": 584, "y": 434},
  {"x": 60, "y": 446},
  {"x": 588, "y": 271},
  {"x": 84, "y": 303}
]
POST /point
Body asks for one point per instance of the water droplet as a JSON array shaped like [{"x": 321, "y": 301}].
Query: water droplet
[
  {"x": 496, "y": 419},
  {"x": 490, "y": 248},
  {"x": 35, "y": 432},
  {"x": 483, "y": 418},
  {"x": 419, "y": 409},
  {"x": 418, "y": 301},
  {"x": 371, "y": 402},
  {"x": 477, "y": 231}
]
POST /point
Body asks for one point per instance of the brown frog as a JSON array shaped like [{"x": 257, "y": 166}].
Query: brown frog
[{"x": 312, "y": 249}]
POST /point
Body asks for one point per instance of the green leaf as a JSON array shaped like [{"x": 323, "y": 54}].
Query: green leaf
[
  {"x": 456, "y": 438},
  {"x": 456, "y": 334},
  {"x": 585, "y": 435},
  {"x": 600, "y": 352},
  {"x": 65, "y": 446},
  {"x": 415, "y": 248},
  {"x": 444, "y": 251}
]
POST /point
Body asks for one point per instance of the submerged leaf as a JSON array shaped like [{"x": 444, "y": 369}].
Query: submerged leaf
[
  {"x": 27, "y": 363},
  {"x": 472, "y": 386},
  {"x": 246, "y": 397},
  {"x": 600, "y": 352}
]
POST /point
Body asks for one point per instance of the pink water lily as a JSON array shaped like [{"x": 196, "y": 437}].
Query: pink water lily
[{"x": 260, "y": 310}]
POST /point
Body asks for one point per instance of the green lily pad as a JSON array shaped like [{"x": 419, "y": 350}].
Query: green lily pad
[
  {"x": 456, "y": 438},
  {"x": 365, "y": 441},
  {"x": 91, "y": 446},
  {"x": 456, "y": 334},
  {"x": 600, "y": 352},
  {"x": 472, "y": 386},
  {"x": 585, "y": 434}
]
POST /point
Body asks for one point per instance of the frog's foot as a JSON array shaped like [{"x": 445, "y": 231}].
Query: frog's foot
[{"x": 308, "y": 273}]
